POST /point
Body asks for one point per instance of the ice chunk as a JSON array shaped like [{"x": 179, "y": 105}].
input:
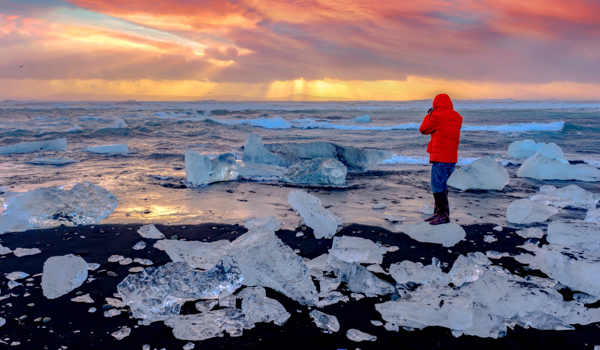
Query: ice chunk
[
  {"x": 111, "y": 149},
  {"x": 361, "y": 119},
  {"x": 83, "y": 299},
  {"x": 327, "y": 323},
  {"x": 189, "y": 346},
  {"x": 151, "y": 232},
  {"x": 468, "y": 268},
  {"x": 395, "y": 218},
  {"x": 21, "y": 252},
  {"x": 263, "y": 309},
  {"x": 329, "y": 284},
  {"x": 206, "y": 305},
  {"x": 523, "y": 149},
  {"x": 249, "y": 292},
  {"x": 139, "y": 245},
  {"x": 2, "y": 321},
  {"x": 199, "y": 255},
  {"x": 408, "y": 271},
  {"x": 254, "y": 151},
  {"x": 4, "y": 250},
  {"x": 158, "y": 292},
  {"x": 552, "y": 150},
  {"x": 310, "y": 208},
  {"x": 264, "y": 260},
  {"x": 358, "y": 336},
  {"x": 209, "y": 324},
  {"x": 28, "y": 147},
  {"x": 576, "y": 234},
  {"x": 492, "y": 254},
  {"x": 593, "y": 215},
  {"x": 355, "y": 250},
  {"x": 483, "y": 174},
  {"x": 545, "y": 168},
  {"x": 571, "y": 195},
  {"x": 584, "y": 298},
  {"x": 227, "y": 300},
  {"x": 16, "y": 275},
  {"x": 115, "y": 258},
  {"x": 446, "y": 235},
  {"x": 379, "y": 205},
  {"x": 359, "y": 279},
  {"x": 330, "y": 298},
  {"x": 119, "y": 124},
  {"x": 525, "y": 211},
  {"x": 261, "y": 171},
  {"x": 201, "y": 170},
  {"x": 84, "y": 204},
  {"x": 62, "y": 274},
  {"x": 532, "y": 232},
  {"x": 121, "y": 333},
  {"x": 51, "y": 161},
  {"x": 318, "y": 171},
  {"x": 269, "y": 223}
]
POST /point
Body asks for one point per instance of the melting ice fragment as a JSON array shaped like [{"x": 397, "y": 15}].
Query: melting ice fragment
[
  {"x": 5, "y": 250},
  {"x": 151, "y": 232},
  {"x": 571, "y": 195},
  {"x": 109, "y": 149},
  {"x": 28, "y": 147},
  {"x": 327, "y": 323},
  {"x": 62, "y": 274},
  {"x": 121, "y": 333},
  {"x": 254, "y": 151},
  {"x": 355, "y": 250},
  {"x": 359, "y": 279},
  {"x": 200, "y": 255},
  {"x": 310, "y": 208},
  {"x": 532, "y": 232},
  {"x": 576, "y": 234},
  {"x": 21, "y": 252},
  {"x": 523, "y": 149},
  {"x": 16, "y": 275},
  {"x": 446, "y": 235},
  {"x": 201, "y": 170},
  {"x": 593, "y": 215},
  {"x": 526, "y": 211},
  {"x": 552, "y": 150},
  {"x": 84, "y": 204},
  {"x": 468, "y": 268},
  {"x": 318, "y": 171},
  {"x": 209, "y": 324},
  {"x": 408, "y": 271},
  {"x": 358, "y": 336},
  {"x": 483, "y": 174},
  {"x": 545, "y": 168},
  {"x": 263, "y": 309},
  {"x": 269, "y": 223}
]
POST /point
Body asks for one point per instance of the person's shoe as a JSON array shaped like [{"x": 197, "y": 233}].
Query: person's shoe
[
  {"x": 436, "y": 210},
  {"x": 442, "y": 219},
  {"x": 433, "y": 217}
]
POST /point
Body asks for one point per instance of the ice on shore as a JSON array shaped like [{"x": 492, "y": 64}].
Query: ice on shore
[
  {"x": 51, "y": 161},
  {"x": 526, "y": 211},
  {"x": 119, "y": 124},
  {"x": 84, "y": 204},
  {"x": 16, "y": 275},
  {"x": 357, "y": 336},
  {"x": 359, "y": 279},
  {"x": 62, "y": 274},
  {"x": 408, "y": 271},
  {"x": 572, "y": 195},
  {"x": 483, "y": 174},
  {"x": 5, "y": 250},
  {"x": 355, "y": 250},
  {"x": 593, "y": 215},
  {"x": 159, "y": 292},
  {"x": 261, "y": 171},
  {"x": 310, "y": 208},
  {"x": 327, "y": 323},
  {"x": 254, "y": 151},
  {"x": 545, "y": 168},
  {"x": 209, "y": 324},
  {"x": 201, "y": 170},
  {"x": 264, "y": 223},
  {"x": 199, "y": 255},
  {"x": 109, "y": 149},
  {"x": 552, "y": 150},
  {"x": 468, "y": 268},
  {"x": 446, "y": 234},
  {"x": 150, "y": 231},
  {"x": 35, "y": 146},
  {"x": 262, "y": 309},
  {"x": 121, "y": 333},
  {"x": 576, "y": 234},
  {"x": 532, "y": 232},
  {"x": 318, "y": 171},
  {"x": 21, "y": 252},
  {"x": 523, "y": 149}
]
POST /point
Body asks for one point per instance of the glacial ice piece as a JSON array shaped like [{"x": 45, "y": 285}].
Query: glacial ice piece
[
  {"x": 318, "y": 171},
  {"x": 16, "y": 275},
  {"x": 264, "y": 223},
  {"x": 263, "y": 309},
  {"x": 329, "y": 284},
  {"x": 355, "y": 250},
  {"x": 139, "y": 245},
  {"x": 5, "y": 250},
  {"x": 357, "y": 336},
  {"x": 361, "y": 119},
  {"x": 359, "y": 279},
  {"x": 552, "y": 150},
  {"x": 201, "y": 170},
  {"x": 86, "y": 298},
  {"x": 571, "y": 195},
  {"x": 84, "y": 204},
  {"x": 150, "y": 231},
  {"x": 577, "y": 234},
  {"x": 199, "y": 255},
  {"x": 264, "y": 260},
  {"x": 206, "y": 305},
  {"x": 468, "y": 268},
  {"x": 28, "y": 147},
  {"x": 261, "y": 171},
  {"x": 328, "y": 323},
  {"x": 62, "y": 274},
  {"x": 21, "y": 252},
  {"x": 526, "y": 211},
  {"x": 51, "y": 161},
  {"x": 447, "y": 235},
  {"x": 523, "y": 149},
  {"x": 330, "y": 298},
  {"x": 209, "y": 324},
  {"x": 532, "y": 232},
  {"x": 545, "y": 168},
  {"x": 121, "y": 333},
  {"x": 110, "y": 149},
  {"x": 408, "y": 271},
  {"x": 310, "y": 208},
  {"x": 483, "y": 174},
  {"x": 119, "y": 124},
  {"x": 593, "y": 215},
  {"x": 159, "y": 292},
  {"x": 254, "y": 151}
]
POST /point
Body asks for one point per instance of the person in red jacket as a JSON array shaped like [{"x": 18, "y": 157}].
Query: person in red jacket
[{"x": 443, "y": 124}]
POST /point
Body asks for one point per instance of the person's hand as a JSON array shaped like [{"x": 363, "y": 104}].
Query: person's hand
[{"x": 430, "y": 111}]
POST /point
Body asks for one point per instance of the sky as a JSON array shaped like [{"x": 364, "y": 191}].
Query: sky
[{"x": 332, "y": 49}]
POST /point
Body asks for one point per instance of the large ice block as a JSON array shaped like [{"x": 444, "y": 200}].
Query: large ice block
[
  {"x": 545, "y": 168},
  {"x": 408, "y": 271},
  {"x": 310, "y": 208},
  {"x": 111, "y": 149},
  {"x": 593, "y": 215},
  {"x": 572, "y": 195},
  {"x": 328, "y": 323},
  {"x": 576, "y": 234},
  {"x": 355, "y": 250},
  {"x": 254, "y": 151},
  {"x": 199, "y": 255},
  {"x": 84, "y": 204},
  {"x": 552, "y": 150},
  {"x": 468, "y": 268},
  {"x": 263, "y": 309},
  {"x": 62, "y": 274},
  {"x": 359, "y": 279},
  {"x": 209, "y": 324},
  {"x": 446, "y": 234},
  {"x": 483, "y": 174},
  {"x": 28, "y": 147},
  {"x": 526, "y": 211},
  {"x": 201, "y": 170},
  {"x": 523, "y": 149},
  {"x": 318, "y": 171}
]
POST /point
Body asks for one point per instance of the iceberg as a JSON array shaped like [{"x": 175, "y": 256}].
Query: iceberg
[
  {"x": 111, "y": 149},
  {"x": 254, "y": 151},
  {"x": 327, "y": 323},
  {"x": 62, "y": 274},
  {"x": 523, "y": 149},
  {"x": 447, "y": 234},
  {"x": 35, "y": 146},
  {"x": 198, "y": 255},
  {"x": 318, "y": 171},
  {"x": 310, "y": 208},
  {"x": 201, "y": 170},
  {"x": 572, "y": 195},
  {"x": 483, "y": 174},
  {"x": 545, "y": 168},
  {"x": 355, "y": 250},
  {"x": 525, "y": 211},
  {"x": 84, "y": 204},
  {"x": 209, "y": 324},
  {"x": 408, "y": 271},
  {"x": 577, "y": 234}
]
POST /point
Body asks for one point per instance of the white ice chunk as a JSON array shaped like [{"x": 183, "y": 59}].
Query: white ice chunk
[
  {"x": 139, "y": 245},
  {"x": 310, "y": 208},
  {"x": 227, "y": 300},
  {"x": 408, "y": 271},
  {"x": 119, "y": 124},
  {"x": 532, "y": 232},
  {"x": 121, "y": 333},
  {"x": 62, "y": 274},
  {"x": 329, "y": 284},
  {"x": 492, "y": 254},
  {"x": 51, "y": 161},
  {"x": 267, "y": 223},
  {"x": 330, "y": 298},
  {"x": 523, "y": 149},
  {"x": 446, "y": 234},
  {"x": 16, "y": 275},
  {"x": 361, "y": 119},
  {"x": 199, "y": 255},
  {"x": 593, "y": 215},
  {"x": 21, "y": 252},
  {"x": 525, "y": 211},
  {"x": 468, "y": 268},
  {"x": 201, "y": 170},
  {"x": 263, "y": 309},
  {"x": 379, "y": 205},
  {"x": 5, "y": 250},
  {"x": 357, "y": 336},
  {"x": 109, "y": 149},
  {"x": 571, "y": 195},
  {"x": 576, "y": 234},
  {"x": 209, "y": 324},
  {"x": 84, "y": 204},
  {"x": 151, "y": 232},
  {"x": 83, "y": 299},
  {"x": 483, "y": 174},
  {"x": 552, "y": 150},
  {"x": 355, "y": 250},
  {"x": 318, "y": 171},
  {"x": 115, "y": 258},
  {"x": 327, "y": 323},
  {"x": 395, "y": 218},
  {"x": 28, "y": 147},
  {"x": 254, "y": 151},
  {"x": 359, "y": 279},
  {"x": 206, "y": 305},
  {"x": 545, "y": 168}
]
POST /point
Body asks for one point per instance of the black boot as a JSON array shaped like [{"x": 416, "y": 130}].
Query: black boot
[{"x": 441, "y": 199}]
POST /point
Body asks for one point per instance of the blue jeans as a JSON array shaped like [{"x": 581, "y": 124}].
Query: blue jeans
[{"x": 440, "y": 172}]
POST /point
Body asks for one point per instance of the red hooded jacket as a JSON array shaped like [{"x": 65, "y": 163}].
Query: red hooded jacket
[{"x": 443, "y": 124}]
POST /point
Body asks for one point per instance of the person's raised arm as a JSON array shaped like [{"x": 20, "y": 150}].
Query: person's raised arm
[{"x": 429, "y": 124}]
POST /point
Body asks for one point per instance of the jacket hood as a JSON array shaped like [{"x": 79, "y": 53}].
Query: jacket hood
[{"x": 442, "y": 101}]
